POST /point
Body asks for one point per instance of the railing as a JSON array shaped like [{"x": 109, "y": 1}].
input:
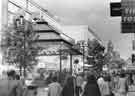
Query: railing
[
  {"x": 14, "y": 3},
  {"x": 41, "y": 8},
  {"x": 48, "y": 17}
]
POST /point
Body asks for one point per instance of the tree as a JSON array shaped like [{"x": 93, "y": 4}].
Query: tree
[
  {"x": 109, "y": 54},
  {"x": 20, "y": 43},
  {"x": 110, "y": 46},
  {"x": 112, "y": 57},
  {"x": 96, "y": 54}
]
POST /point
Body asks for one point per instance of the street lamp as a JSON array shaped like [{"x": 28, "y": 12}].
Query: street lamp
[
  {"x": 21, "y": 20},
  {"x": 83, "y": 45},
  {"x": 60, "y": 55},
  {"x": 20, "y": 26}
]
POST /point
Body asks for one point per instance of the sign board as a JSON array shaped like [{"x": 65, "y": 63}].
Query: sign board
[
  {"x": 128, "y": 16},
  {"x": 115, "y": 9},
  {"x": 133, "y": 59},
  {"x": 133, "y": 44}
]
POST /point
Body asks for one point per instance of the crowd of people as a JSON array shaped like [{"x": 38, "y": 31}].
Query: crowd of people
[
  {"x": 11, "y": 86},
  {"x": 91, "y": 85},
  {"x": 82, "y": 84}
]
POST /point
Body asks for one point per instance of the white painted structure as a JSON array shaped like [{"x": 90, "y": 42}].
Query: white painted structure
[
  {"x": 78, "y": 32},
  {"x": 3, "y": 21}
]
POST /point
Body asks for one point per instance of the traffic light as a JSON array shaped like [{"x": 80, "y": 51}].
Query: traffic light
[{"x": 133, "y": 58}]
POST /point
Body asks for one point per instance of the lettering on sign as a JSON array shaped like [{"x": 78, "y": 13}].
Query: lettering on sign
[
  {"x": 129, "y": 11},
  {"x": 128, "y": 19},
  {"x": 128, "y": 16}
]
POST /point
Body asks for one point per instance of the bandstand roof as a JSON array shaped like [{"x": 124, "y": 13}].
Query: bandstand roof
[
  {"x": 49, "y": 30},
  {"x": 53, "y": 41}
]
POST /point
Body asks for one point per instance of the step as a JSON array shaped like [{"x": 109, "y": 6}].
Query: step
[
  {"x": 46, "y": 31},
  {"x": 42, "y": 22},
  {"x": 41, "y": 27}
]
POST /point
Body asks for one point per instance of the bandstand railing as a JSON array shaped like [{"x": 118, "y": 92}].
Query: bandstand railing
[{"x": 46, "y": 15}]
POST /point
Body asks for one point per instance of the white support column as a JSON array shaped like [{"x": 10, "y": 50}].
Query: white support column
[
  {"x": 4, "y": 12},
  {"x": 3, "y": 22},
  {"x": 0, "y": 30}
]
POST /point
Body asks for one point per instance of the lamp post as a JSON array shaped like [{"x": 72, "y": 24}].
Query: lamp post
[
  {"x": 83, "y": 53},
  {"x": 60, "y": 60},
  {"x": 24, "y": 44},
  {"x": 20, "y": 24},
  {"x": 60, "y": 55},
  {"x": 83, "y": 45}
]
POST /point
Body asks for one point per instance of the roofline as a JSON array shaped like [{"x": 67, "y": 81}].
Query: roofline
[{"x": 54, "y": 40}]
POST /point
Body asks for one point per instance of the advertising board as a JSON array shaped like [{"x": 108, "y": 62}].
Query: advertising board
[{"x": 128, "y": 16}]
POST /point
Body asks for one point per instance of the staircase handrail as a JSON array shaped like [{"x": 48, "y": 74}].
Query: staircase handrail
[
  {"x": 14, "y": 3},
  {"x": 43, "y": 10}
]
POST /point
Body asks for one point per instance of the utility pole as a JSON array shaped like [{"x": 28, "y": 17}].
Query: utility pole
[{"x": 83, "y": 56}]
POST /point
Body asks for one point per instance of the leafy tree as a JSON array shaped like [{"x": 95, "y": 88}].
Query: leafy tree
[
  {"x": 110, "y": 46},
  {"x": 96, "y": 54},
  {"x": 110, "y": 53},
  {"x": 21, "y": 48},
  {"x": 112, "y": 57}
]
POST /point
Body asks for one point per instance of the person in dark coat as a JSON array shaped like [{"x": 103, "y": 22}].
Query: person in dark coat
[
  {"x": 68, "y": 89},
  {"x": 91, "y": 88}
]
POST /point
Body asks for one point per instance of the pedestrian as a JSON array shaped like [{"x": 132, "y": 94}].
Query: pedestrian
[
  {"x": 79, "y": 82},
  {"x": 91, "y": 88},
  {"x": 84, "y": 83},
  {"x": 17, "y": 77},
  {"x": 131, "y": 91},
  {"x": 100, "y": 82},
  {"x": 115, "y": 81},
  {"x": 11, "y": 86},
  {"x": 68, "y": 89},
  {"x": 49, "y": 78},
  {"x": 122, "y": 85},
  {"x": 105, "y": 87},
  {"x": 54, "y": 87}
]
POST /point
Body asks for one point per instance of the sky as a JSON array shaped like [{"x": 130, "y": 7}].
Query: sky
[{"x": 96, "y": 14}]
